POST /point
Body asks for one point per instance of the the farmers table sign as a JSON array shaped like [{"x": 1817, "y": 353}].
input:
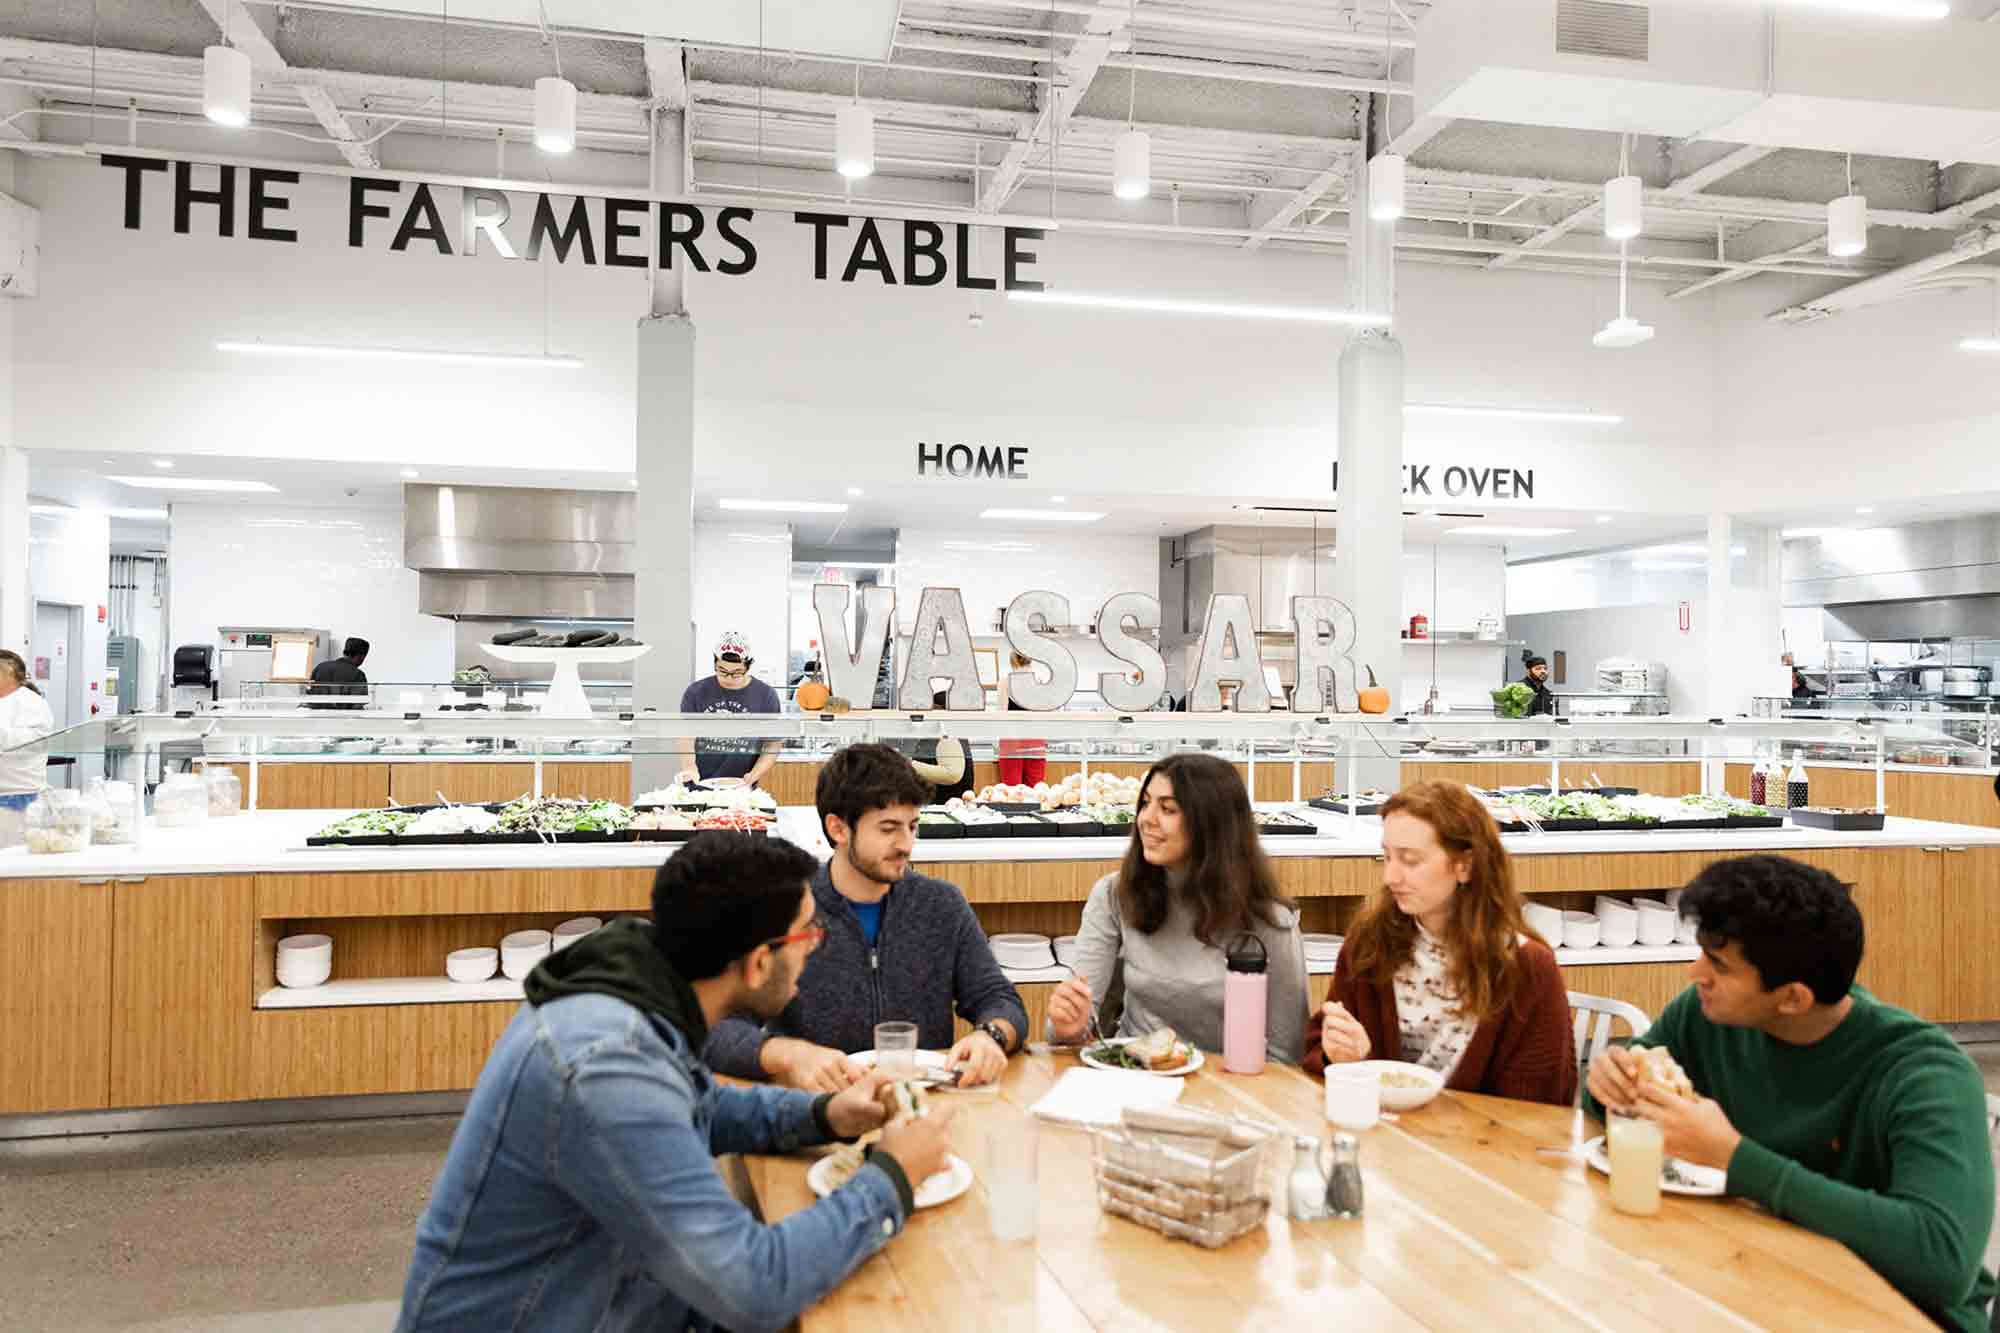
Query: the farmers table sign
[{"x": 941, "y": 651}]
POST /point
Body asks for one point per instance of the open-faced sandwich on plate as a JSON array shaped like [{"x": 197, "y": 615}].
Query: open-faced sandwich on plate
[{"x": 1158, "y": 1050}]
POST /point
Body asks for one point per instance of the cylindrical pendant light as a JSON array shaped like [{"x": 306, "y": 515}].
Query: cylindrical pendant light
[
  {"x": 225, "y": 86},
  {"x": 1132, "y": 165},
  {"x": 854, "y": 141},
  {"x": 555, "y": 114},
  {"x": 1624, "y": 207},
  {"x": 1385, "y": 187},
  {"x": 1847, "y": 226}
]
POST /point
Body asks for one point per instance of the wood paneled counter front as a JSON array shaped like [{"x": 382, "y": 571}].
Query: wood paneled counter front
[{"x": 143, "y": 976}]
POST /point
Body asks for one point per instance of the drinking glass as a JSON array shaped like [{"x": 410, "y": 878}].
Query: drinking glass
[
  {"x": 1013, "y": 1197},
  {"x": 896, "y": 1049},
  {"x": 1637, "y": 1149},
  {"x": 1353, "y": 1098}
]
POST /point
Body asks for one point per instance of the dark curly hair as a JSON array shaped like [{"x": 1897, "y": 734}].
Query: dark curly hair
[
  {"x": 723, "y": 894},
  {"x": 861, "y": 778},
  {"x": 1794, "y": 922}
]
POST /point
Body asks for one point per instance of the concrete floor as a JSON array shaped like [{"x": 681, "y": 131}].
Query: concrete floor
[
  {"x": 287, "y": 1229},
  {"x": 295, "y": 1227}
]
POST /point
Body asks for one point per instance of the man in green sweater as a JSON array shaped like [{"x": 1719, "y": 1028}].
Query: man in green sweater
[{"x": 1846, "y": 1115}]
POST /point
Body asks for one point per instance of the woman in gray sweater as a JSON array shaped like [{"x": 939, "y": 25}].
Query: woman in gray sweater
[{"x": 1194, "y": 877}]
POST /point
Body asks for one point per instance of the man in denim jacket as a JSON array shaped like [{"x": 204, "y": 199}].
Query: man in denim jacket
[{"x": 581, "y": 1190}]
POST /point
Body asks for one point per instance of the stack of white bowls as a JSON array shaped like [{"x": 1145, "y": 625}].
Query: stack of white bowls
[
  {"x": 304, "y": 961},
  {"x": 1657, "y": 923},
  {"x": 1065, "y": 946},
  {"x": 1617, "y": 923},
  {"x": 1023, "y": 952},
  {"x": 1580, "y": 930},
  {"x": 1546, "y": 921},
  {"x": 520, "y": 951},
  {"x": 1322, "y": 949},
  {"x": 572, "y": 930},
  {"x": 472, "y": 964},
  {"x": 1684, "y": 930}
]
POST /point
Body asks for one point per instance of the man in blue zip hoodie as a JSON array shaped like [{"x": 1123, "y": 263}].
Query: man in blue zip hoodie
[
  {"x": 899, "y": 946},
  {"x": 581, "y": 1190}
]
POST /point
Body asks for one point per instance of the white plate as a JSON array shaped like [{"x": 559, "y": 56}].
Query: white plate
[
  {"x": 1704, "y": 1182},
  {"x": 925, "y": 1059},
  {"x": 1195, "y": 1061},
  {"x": 943, "y": 1187},
  {"x": 1402, "y": 1099}
]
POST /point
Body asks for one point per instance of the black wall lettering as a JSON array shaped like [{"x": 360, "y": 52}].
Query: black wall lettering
[
  {"x": 617, "y": 228},
  {"x": 819, "y": 222},
  {"x": 134, "y": 169},
  {"x": 923, "y": 240},
  {"x": 1454, "y": 481},
  {"x": 1017, "y": 463},
  {"x": 1013, "y": 258},
  {"x": 992, "y": 462},
  {"x": 1524, "y": 484},
  {"x": 929, "y": 454},
  {"x": 422, "y": 222},
  {"x": 727, "y": 222},
  {"x": 359, "y": 210},
  {"x": 223, "y": 196},
  {"x": 958, "y": 460},
  {"x": 575, "y": 232},
  {"x": 680, "y": 228},
  {"x": 869, "y": 253},
  {"x": 262, "y": 201},
  {"x": 967, "y": 282}
]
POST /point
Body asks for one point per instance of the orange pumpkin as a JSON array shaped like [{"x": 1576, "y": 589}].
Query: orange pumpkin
[
  {"x": 1374, "y": 699},
  {"x": 812, "y": 696}
]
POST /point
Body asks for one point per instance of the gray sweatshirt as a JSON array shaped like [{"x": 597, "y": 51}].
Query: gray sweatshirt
[
  {"x": 1174, "y": 980},
  {"x": 930, "y": 956}
]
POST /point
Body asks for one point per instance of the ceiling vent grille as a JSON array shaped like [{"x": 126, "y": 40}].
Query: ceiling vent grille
[{"x": 1604, "y": 28}]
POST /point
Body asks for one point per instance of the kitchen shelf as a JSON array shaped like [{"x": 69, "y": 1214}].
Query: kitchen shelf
[
  {"x": 1638, "y": 953},
  {"x": 391, "y": 990},
  {"x": 1463, "y": 641}
]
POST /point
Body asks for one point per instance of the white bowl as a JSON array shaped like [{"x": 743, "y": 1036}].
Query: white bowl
[
  {"x": 1658, "y": 923},
  {"x": 1687, "y": 932},
  {"x": 520, "y": 951},
  {"x": 1023, "y": 951},
  {"x": 1065, "y": 948},
  {"x": 1674, "y": 899},
  {"x": 304, "y": 961},
  {"x": 1580, "y": 930},
  {"x": 471, "y": 964},
  {"x": 1322, "y": 948},
  {"x": 1403, "y": 1099},
  {"x": 572, "y": 930},
  {"x": 1617, "y": 923},
  {"x": 1547, "y": 922}
]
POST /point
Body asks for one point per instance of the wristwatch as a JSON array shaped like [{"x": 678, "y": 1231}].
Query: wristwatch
[{"x": 991, "y": 1027}]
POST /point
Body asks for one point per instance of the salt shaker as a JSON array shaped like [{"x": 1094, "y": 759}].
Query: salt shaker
[
  {"x": 1343, "y": 1179},
  {"x": 1306, "y": 1186}
]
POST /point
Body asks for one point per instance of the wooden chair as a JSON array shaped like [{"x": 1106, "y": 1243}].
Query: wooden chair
[{"x": 1591, "y": 1017}]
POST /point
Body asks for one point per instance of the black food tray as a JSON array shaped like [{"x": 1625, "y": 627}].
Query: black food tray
[
  {"x": 1079, "y": 828},
  {"x": 1000, "y": 830},
  {"x": 1543, "y": 790},
  {"x": 1691, "y": 825},
  {"x": 393, "y": 841},
  {"x": 1845, "y": 821},
  {"x": 1568, "y": 826},
  {"x": 1288, "y": 830},
  {"x": 1012, "y": 807},
  {"x": 1753, "y": 821},
  {"x": 953, "y": 830},
  {"x": 1340, "y": 807},
  {"x": 1041, "y": 828},
  {"x": 662, "y": 834}
]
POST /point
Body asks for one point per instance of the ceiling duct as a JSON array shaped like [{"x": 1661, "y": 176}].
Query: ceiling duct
[
  {"x": 1720, "y": 70},
  {"x": 1908, "y": 581},
  {"x": 502, "y": 552}
]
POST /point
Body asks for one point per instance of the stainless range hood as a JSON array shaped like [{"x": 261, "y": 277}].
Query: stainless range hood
[
  {"x": 1921, "y": 580},
  {"x": 507, "y": 553}
]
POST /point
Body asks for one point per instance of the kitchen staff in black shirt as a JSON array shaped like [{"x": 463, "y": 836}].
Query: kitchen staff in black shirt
[
  {"x": 342, "y": 675},
  {"x": 1544, "y": 703}
]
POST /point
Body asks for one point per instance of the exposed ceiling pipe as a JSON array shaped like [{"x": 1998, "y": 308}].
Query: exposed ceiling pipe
[
  {"x": 1272, "y": 74},
  {"x": 1896, "y": 283}
]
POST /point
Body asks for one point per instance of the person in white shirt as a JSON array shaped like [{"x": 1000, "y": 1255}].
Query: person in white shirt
[{"x": 24, "y": 719}]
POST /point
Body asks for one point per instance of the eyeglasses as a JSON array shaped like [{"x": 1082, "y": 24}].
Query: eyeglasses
[
  {"x": 812, "y": 934},
  {"x": 728, "y": 672}
]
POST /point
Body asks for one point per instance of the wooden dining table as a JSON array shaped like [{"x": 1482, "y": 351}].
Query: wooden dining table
[{"x": 1468, "y": 1224}]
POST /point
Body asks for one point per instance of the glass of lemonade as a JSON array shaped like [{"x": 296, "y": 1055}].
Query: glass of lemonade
[{"x": 1637, "y": 1148}]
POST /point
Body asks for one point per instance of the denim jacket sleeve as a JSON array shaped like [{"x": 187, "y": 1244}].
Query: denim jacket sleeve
[
  {"x": 736, "y": 1048},
  {"x": 761, "y": 1120},
  {"x": 630, "y": 1152}
]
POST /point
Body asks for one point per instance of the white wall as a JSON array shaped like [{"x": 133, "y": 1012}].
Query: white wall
[
  {"x": 1087, "y": 568},
  {"x": 1455, "y": 586},
  {"x": 69, "y": 561},
  {"x": 741, "y": 576},
  {"x": 1594, "y": 581},
  {"x": 1648, "y": 633},
  {"x": 248, "y": 564}
]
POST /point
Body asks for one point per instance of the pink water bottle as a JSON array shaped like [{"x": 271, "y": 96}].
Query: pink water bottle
[{"x": 1245, "y": 998}]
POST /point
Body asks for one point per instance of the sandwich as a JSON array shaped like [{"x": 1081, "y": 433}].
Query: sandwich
[
  {"x": 1159, "y": 1049},
  {"x": 1658, "y": 1067},
  {"x": 904, "y": 1101}
]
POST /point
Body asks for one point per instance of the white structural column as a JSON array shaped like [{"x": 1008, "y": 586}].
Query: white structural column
[
  {"x": 664, "y": 586},
  {"x": 14, "y": 615},
  {"x": 1368, "y": 561},
  {"x": 1744, "y": 617}
]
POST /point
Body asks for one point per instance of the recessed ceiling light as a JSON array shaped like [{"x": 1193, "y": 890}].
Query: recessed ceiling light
[
  {"x": 1604, "y": 518},
  {"x": 51, "y": 510},
  {"x": 1979, "y": 344},
  {"x": 325, "y": 350},
  {"x": 990, "y": 546},
  {"x": 163, "y": 462},
  {"x": 1892, "y": 9},
  {"x": 409, "y": 474},
  {"x": 194, "y": 484},
  {"x": 854, "y": 492},
  {"x": 1865, "y": 509},
  {"x": 1043, "y": 515},
  {"x": 631, "y": 481},
  {"x": 784, "y": 506},
  {"x": 1058, "y": 499},
  {"x": 1499, "y": 531},
  {"x": 1513, "y": 413},
  {"x": 140, "y": 515},
  {"x": 1224, "y": 310},
  {"x": 1666, "y": 566}
]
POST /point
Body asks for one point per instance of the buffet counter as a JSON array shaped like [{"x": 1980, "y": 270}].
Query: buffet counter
[{"x": 144, "y": 976}]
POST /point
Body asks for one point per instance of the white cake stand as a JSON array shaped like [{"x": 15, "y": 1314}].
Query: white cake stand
[{"x": 566, "y": 697}]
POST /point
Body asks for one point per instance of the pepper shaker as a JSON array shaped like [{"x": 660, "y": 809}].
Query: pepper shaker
[{"x": 1343, "y": 1178}]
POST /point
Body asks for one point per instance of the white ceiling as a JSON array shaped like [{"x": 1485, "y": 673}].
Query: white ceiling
[{"x": 852, "y": 29}]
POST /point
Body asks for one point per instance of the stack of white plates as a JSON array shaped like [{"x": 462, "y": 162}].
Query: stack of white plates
[
  {"x": 572, "y": 930},
  {"x": 1023, "y": 951},
  {"x": 1322, "y": 948},
  {"x": 1065, "y": 949},
  {"x": 1547, "y": 922},
  {"x": 520, "y": 951}
]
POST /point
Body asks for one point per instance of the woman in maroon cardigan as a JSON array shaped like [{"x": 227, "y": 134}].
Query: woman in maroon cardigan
[{"x": 1440, "y": 969}]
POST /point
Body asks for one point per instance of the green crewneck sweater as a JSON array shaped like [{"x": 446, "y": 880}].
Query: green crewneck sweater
[{"x": 1875, "y": 1135}]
